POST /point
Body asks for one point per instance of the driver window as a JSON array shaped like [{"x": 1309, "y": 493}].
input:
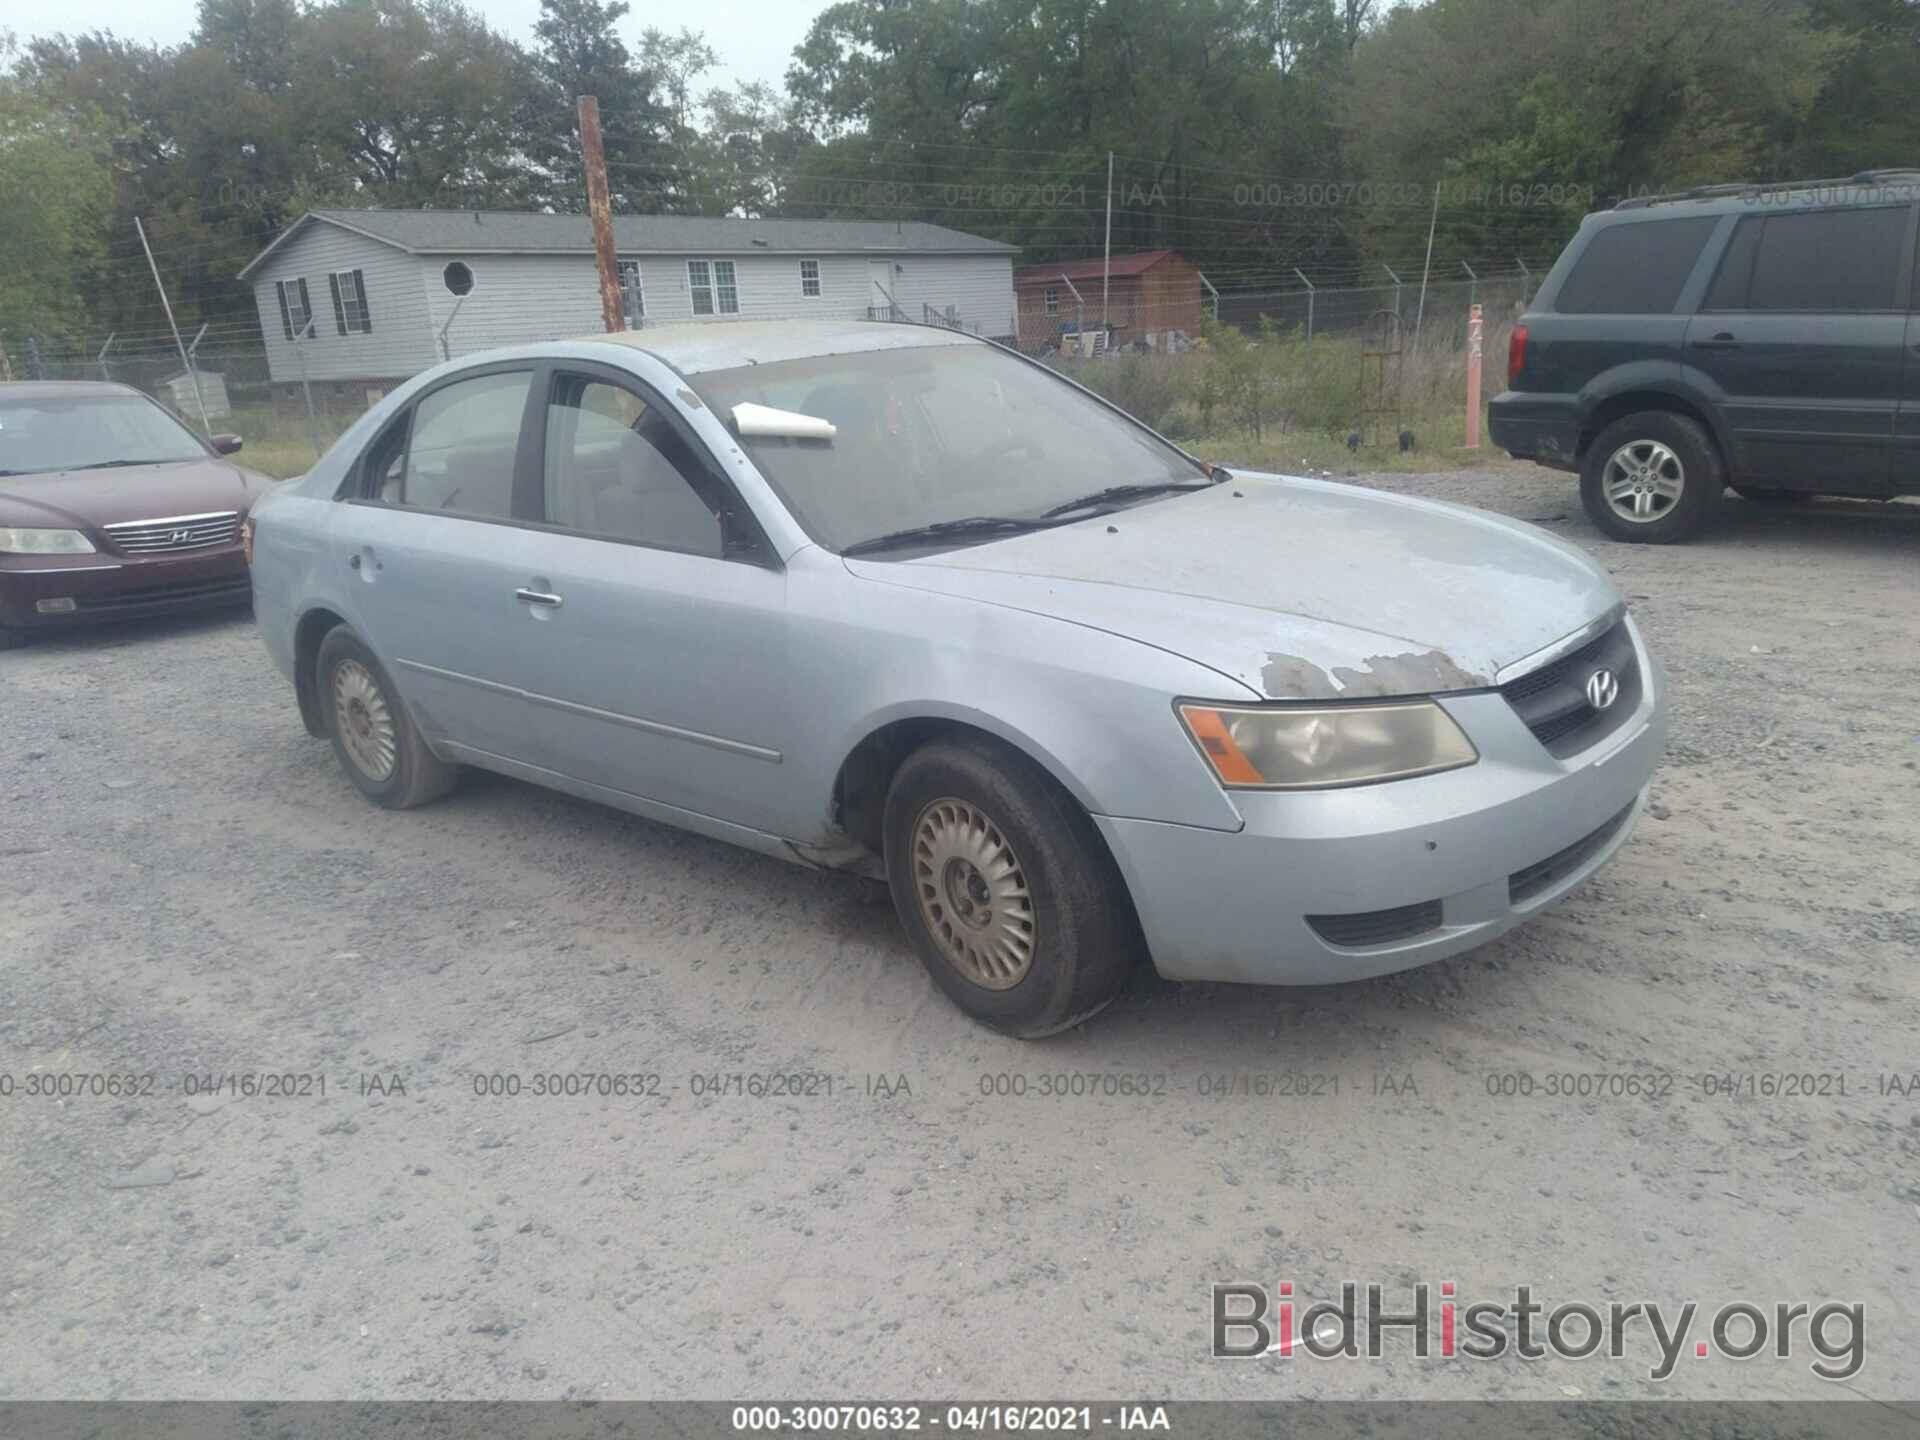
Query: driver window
[
  {"x": 463, "y": 442},
  {"x": 615, "y": 468}
]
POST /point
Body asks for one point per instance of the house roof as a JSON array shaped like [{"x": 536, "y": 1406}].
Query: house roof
[
  {"x": 512, "y": 232},
  {"x": 1091, "y": 269}
]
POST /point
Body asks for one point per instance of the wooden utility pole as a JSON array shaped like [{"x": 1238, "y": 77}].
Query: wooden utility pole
[{"x": 600, "y": 209}]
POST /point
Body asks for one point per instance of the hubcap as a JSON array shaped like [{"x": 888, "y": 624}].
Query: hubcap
[
  {"x": 363, "y": 720},
  {"x": 1643, "y": 481},
  {"x": 973, "y": 894}
]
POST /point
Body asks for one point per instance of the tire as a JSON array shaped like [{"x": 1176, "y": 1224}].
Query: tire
[
  {"x": 1772, "y": 497},
  {"x": 373, "y": 737},
  {"x": 972, "y": 797},
  {"x": 1666, "y": 474}
]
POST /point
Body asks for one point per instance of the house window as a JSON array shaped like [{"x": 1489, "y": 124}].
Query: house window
[
  {"x": 296, "y": 310},
  {"x": 1053, "y": 301},
  {"x": 633, "y": 304},
  {"x": 810, "y": 278},
  {"x": 711, "y": 285},
  {"x": 350, "y": 315}
]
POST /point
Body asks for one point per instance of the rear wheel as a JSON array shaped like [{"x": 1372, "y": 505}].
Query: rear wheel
[
  {"x": 1652, "y": 478},
  {"x": 373, "y": 737},
  {"x": 1005, "y": 889}
]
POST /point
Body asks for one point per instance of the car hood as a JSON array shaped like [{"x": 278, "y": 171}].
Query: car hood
[
  {"x": 79, "y": 499},
  {"x": 1298, "y": 589}
]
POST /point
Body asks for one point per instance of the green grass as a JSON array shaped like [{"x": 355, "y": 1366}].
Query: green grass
[
  {"x": 1439, "y": 444},
  {"x": 282, "y": 445}
]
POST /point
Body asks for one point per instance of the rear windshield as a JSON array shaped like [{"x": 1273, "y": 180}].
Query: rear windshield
[
  {"x": 1634, "y": 269},
  {"x": 936, "y": 433}
]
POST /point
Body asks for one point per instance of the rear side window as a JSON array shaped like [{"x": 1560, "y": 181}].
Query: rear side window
[
  {"x": 1816, "y": 260},
  {"x": 458, "y": 454},
  {"x": 1634, "y": 269}
]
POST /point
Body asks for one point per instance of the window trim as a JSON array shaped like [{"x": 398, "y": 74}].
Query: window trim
[
  {"x": 635, "y": 313},
  {"x": 712, "y": 286},
  {"x": 343, "y": 320},
  {"x": 280, "y": 289},
  {"x": 815, "y": 293},
  {"x": 360, "y": 486},
  {"x": 1900, "y": 303},
  {"x": 1050, "y": 297},
  {"x": 755, "y": 547}
]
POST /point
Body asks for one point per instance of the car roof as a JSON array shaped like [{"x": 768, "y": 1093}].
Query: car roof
[
  {"x": 695, "y": 347},
  {"x": 63, "y": 389}
]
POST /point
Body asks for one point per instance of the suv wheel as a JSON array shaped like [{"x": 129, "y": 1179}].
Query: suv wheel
[
  {"x": 1005, "y": 889},
  {"x": 1652, "y": 478},
  {"x": 373, "y": 736}
]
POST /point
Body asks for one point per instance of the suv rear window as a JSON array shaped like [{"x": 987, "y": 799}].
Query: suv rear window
[
  {"x": 1634, "y": 269},
  {"x": 1817, "y": 260}
]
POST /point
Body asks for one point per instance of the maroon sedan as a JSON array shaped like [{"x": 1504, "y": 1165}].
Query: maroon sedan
[{"x": 110, "y": 508}]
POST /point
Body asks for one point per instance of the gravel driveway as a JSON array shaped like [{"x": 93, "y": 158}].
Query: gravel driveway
[{"x": 190, "y": 890}]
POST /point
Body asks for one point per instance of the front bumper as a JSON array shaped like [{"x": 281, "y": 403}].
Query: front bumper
[
  {"x": 109, "y": 587},
  {"x": 1538, "y": 427},
  {"x": 1459, "y": 857}
]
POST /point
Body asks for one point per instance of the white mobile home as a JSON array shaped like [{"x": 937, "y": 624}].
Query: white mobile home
[{"x": 361, "y": 299}]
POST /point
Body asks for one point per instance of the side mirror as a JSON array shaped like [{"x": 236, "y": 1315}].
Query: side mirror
[{"x": 226, "y": 444}]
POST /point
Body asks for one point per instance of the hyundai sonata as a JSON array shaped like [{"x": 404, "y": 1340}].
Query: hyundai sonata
[{"x": 889, "y": 599}]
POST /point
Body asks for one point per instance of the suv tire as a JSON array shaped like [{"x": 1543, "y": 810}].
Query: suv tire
[
  {"x": 1652, "y": 478},
  {"x": 1006, "y": 889}
]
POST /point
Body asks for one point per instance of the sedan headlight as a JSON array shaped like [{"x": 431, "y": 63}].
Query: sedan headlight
[
  {"x": 1295, "y": 748},
  {"x": 45, "y": 542}
]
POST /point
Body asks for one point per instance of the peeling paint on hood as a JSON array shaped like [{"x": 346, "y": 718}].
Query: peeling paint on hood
[{"x": 1298, "y": 589}]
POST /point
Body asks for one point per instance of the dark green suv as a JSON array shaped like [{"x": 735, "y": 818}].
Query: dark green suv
[{"x": 1762, "y": 339}]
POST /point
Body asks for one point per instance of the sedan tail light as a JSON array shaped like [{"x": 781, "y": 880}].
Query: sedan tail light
[{"x": 1516, "y": 356}]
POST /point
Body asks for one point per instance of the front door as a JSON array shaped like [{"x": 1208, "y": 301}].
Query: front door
[
  {"x": 880, "y": 283},
  {"x": 1803, "y": 333},
  {"x": 434, "y": 556},
  {"x": 663, "y": 667}
]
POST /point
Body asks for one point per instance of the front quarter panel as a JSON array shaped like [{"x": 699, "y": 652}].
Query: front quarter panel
[{"x": 1094, "y": 709}]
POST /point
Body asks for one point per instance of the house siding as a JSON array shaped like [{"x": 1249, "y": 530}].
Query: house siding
[
  {"x": 400, "y": 343},
  {"x": 521, "y": 299}
]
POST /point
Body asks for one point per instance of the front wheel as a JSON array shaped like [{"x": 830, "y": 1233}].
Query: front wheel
[
  {"x": 1005, "y": 888},
  {"x": 373, "y": 736},
  {"x": 1652, "y": 478}
]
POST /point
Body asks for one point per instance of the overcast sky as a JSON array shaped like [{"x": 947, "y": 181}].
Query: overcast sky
[{"x": 755, "y": 38}]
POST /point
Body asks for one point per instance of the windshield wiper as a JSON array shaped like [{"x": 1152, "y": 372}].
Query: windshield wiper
[
  {"x": 115, "y": 464},
  {"x": 948, "y": 529},
  {"x": 1115, "y": 493}
]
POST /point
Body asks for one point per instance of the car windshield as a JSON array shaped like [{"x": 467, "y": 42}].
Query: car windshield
[
  {"x": 73, "y": 433},
  {"x": 936, "y": 433}
]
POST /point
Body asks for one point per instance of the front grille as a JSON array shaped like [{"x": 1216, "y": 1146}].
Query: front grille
[
  {"x": 1377, "y": 927},
  {"x": 169, "y": 536},
  {"x": 1543, "y": 875},
  {"x": 1552, "y": 701},
  {"x": 225, "y": 587}
]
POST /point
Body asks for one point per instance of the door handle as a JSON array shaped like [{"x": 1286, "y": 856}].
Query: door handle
[
  {"x": 539, "y": 597},
  {"x": 1725, "y": 340}
]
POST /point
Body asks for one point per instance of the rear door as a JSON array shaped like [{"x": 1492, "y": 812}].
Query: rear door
[
  {"x": 432, "y": 544},
  {"x": 1906, "y": 439},
  {"x": 1803, "y": 331},
  {"x": 662, "y": 671}
]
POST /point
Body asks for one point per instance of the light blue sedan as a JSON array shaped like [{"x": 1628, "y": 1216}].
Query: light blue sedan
[{"x": 888, "y": 599}]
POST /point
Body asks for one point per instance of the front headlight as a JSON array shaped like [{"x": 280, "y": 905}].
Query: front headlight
[
  {"x": 1311, "y": 749},
  {"x": 45, "y": 542}
]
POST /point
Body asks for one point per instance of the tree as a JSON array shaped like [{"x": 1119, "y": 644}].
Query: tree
[{"x": 579, "y": 52}]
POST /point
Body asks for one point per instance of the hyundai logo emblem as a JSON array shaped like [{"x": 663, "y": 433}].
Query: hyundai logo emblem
[
  {"x": 1602, "y": 689},
  {"x": 180, "y": 537}
]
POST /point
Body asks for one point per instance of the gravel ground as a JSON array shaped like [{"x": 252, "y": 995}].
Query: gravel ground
[{"x": 191, "y": 889}]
